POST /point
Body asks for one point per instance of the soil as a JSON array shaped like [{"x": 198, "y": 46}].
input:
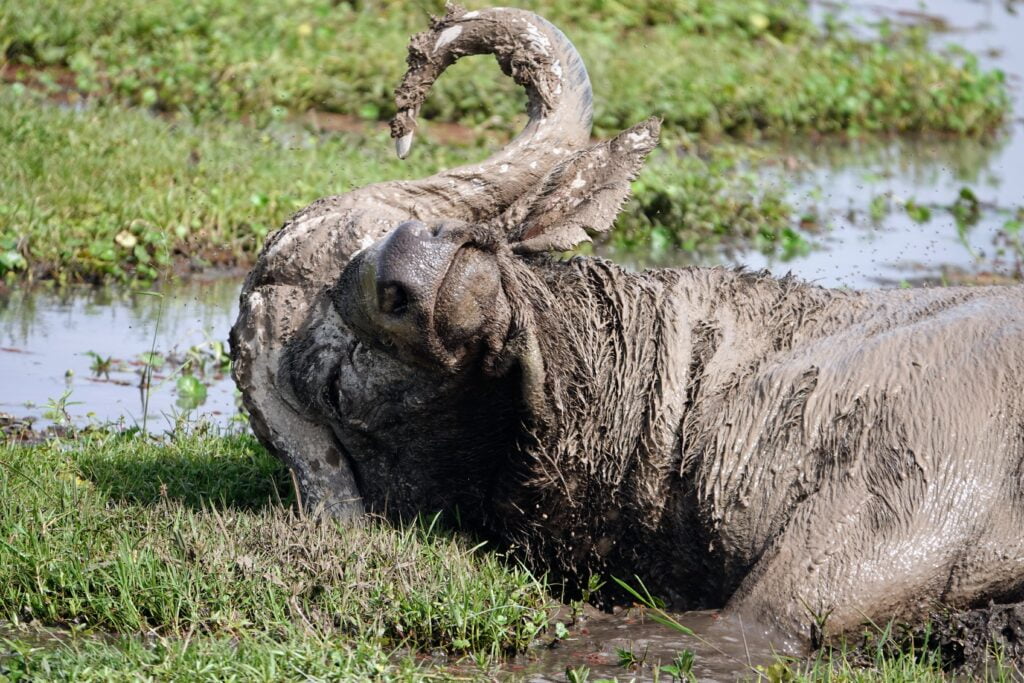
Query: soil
[
  {"x": 439, "y": 132},
  {"x": 968, "y": 643},
  {"x": 17, "y": 430}
]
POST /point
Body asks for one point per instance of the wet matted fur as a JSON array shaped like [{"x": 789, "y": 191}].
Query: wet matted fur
[{"x": 788, "y": 451}]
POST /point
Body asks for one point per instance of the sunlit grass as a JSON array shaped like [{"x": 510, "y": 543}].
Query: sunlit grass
[
  {"x": 732, "y": 67},
  {"x": 120, "y": 537},
  {"x": 105, "y": 193}
]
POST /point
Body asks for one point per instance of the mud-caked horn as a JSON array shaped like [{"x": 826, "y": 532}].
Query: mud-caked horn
[{"x": 537, "y": 56}]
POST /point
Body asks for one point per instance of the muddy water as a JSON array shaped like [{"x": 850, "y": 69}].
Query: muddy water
[
  {"x": 50, "y": 341},
  {"x": 859, "y": 251},
  {"x": 630, "y": 646}
]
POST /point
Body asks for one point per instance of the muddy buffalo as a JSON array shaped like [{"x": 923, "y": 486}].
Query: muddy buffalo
[{"x": 788, "y": 451}]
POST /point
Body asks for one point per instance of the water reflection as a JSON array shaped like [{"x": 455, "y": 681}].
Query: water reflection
[
  {"x": 92, "y": 345},
  {"x": 882, "y": 207}
]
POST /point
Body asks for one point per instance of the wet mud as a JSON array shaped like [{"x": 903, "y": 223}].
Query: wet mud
[
  {"x": 629, "y": 645},
  {"x": 968, "y": 643}
]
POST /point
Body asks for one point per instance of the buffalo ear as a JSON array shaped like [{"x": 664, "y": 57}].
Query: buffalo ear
[{"x": 582, "y": 195}]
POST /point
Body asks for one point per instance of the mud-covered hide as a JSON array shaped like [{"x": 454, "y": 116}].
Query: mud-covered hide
[
  {"x": 810, "y": 459},
  {"x": 285, "y": 294}
]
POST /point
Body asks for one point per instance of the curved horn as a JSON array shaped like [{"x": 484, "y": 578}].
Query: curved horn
[{"x": 537, "y": 56}]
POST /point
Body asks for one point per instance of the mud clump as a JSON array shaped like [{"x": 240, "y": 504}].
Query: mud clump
[
  {"x": 970, "y": 640},
  {"x": 965, "y": 643}
]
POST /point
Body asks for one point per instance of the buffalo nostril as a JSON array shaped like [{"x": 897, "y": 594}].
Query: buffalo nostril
[{"x": 392, "y": 298}]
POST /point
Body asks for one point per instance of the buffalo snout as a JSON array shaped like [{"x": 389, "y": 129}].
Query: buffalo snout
[{"x": 426, "y": 293}]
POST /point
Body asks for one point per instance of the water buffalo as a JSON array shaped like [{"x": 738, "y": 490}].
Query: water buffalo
[{"x": 781, "y": 449}]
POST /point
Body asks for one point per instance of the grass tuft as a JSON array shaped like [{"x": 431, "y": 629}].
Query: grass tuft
[{"x": 183, "y": 538}]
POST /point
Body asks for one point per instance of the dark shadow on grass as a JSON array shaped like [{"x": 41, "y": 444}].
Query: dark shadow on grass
[{"x": 231, "y": 472}]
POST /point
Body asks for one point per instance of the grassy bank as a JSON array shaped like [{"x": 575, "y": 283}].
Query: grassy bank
[
  {"x": 178, "y": 559},
  {"x": 185, "y": 558},
  {"x": 107, "y": 193},
  {"x": 730, "y": 66}
]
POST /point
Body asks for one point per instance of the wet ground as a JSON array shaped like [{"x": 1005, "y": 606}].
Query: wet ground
[
  {"x": 83, "y": 354},
  {"x": 850, "y": 183},
  {"x": 630, "y": 645},
  {"x": 885, "y": 210}
]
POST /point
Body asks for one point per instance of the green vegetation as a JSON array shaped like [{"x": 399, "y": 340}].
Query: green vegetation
[
  {"x": 183, "y": 549},
  {"x": 85, "y": 660},
  {"x": 107, "y": 193},
  {"x": 104, "y": 193},
  {"x": 882, "y": 659},
  {"x": 111, "y": 193},
  {"x": 185, "y": 558},
  {"x": 734, "y": 66}
]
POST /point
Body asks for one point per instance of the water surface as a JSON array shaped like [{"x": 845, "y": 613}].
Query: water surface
[
  {"x": 857, "y": 190},
  {"x": 47, "y": 339},
  {"x": 629, "y": 645}
]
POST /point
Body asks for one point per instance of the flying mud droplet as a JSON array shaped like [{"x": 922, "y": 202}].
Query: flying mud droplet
[{"x": 639, "y": 138}]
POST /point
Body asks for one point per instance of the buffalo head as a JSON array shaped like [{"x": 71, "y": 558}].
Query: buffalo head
[{"x": 446, "y": 294}]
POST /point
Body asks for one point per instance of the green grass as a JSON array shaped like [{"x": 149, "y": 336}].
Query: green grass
[
  {"x": 884, "y": 661},
  {"x": 262, "y": 659},
  {"x": 103, "y": 192},
  {"x": 112, "y": 194},
  {"x": 168, "y": 555},
  {"x": 128, "y": 557},
  {"x": 729, "y": 66}
]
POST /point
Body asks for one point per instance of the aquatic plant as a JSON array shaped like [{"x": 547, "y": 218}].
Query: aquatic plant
[{"x": 730, "y": 67}]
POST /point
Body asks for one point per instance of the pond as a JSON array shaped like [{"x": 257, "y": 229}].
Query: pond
[
  {"x": 887, "y": 207},
  {"x": 83, "y": 354}
]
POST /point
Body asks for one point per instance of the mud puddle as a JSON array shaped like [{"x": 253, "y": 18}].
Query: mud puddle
[
  {"x": 81, "y": 355},
  {"x": 629, "y": 646}
]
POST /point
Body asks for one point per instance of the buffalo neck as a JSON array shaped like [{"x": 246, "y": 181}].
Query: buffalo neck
[{"x": 626, "y": 358}]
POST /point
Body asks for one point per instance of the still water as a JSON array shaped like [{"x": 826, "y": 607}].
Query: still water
[
  {"x": 857, "y": 191},
  {"x": 91, "y": 348}
]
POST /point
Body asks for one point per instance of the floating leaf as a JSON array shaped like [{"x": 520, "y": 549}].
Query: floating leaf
[{"x": 191, "y": 392}]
